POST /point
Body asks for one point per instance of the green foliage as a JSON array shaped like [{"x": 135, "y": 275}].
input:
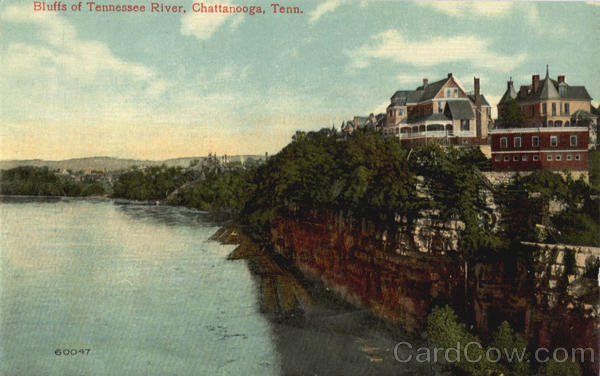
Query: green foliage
[
  {"x": 226, "y": 191},
  {"x": 512, "y": 347},
  {"x": 526, "y": 200},
  {"x": 367, "y": 174},
  {"x": 511, "y": 114},
  {"x": 458, "y": 192},
  {"x": 567, "y": 368},
  {"x": 153, "y": 183},
  {"x": 594, "y": 156},
  {"x": 39, "y": 181},
  {"x": 444, "y": 330}
]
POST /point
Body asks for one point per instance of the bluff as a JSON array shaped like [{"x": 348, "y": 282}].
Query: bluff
[{"x": 553, "y": 299}]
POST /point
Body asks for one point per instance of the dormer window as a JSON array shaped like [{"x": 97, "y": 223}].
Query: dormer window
[{"x": 562, "y": 90}]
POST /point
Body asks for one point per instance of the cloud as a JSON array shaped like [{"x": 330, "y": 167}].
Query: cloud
[
  {"x": 321, "y": 9},
  {"x": 490, "y": 9},
  {"x": 413, "y": 80},
  {"x": 467, "y": 8},
  {"x": 382, "y": 108},
  {"x": 391, "y": 45},
  {"x": 203, "y": 26},
  {"x": 596, "y": 3},
  {"x": 62, "y": 76}
]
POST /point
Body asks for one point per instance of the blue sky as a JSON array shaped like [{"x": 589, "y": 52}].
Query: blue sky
[{"x": 158, "y": 86}]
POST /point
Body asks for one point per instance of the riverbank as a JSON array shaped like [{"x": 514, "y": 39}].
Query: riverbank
[{"x": 317, "y": 331}]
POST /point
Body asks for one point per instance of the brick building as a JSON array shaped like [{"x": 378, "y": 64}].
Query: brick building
[{"x": 555, "y": 132}]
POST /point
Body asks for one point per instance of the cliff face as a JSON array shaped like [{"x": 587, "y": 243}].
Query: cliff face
[{"x": 552, "y": 301}]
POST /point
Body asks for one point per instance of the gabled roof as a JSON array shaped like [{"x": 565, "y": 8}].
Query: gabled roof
[
  {"x": 549, "y": 89},
  {"x": 432, "y": 89},
  {"x": 459, "y": 109},
  {"x": 484, "y": 101}
]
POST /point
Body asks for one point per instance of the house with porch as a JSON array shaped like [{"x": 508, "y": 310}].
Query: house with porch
[{"x": 441, "y": 111}]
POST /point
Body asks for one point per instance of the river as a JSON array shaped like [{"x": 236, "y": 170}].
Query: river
[{"x": 141, "y": 290}]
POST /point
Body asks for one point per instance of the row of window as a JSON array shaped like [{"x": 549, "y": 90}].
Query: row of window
[
  {"x": 535, "y": 141},
  {"x": 565, "y": 109},
  {"x": 535, "y": 157}
]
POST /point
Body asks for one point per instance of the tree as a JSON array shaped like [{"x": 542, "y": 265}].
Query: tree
[{"x": 511, "y": 114}]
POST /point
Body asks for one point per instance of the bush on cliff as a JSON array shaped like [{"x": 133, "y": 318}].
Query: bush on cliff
[
  {"x": 506, "y": 353},
  {"x": 526, "y": 201},
  {"x": 366, "y": 175},
  {"x": 567, "y": 368}
]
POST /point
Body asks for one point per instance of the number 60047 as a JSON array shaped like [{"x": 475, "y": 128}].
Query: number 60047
[{"x": 72, "y": 351}]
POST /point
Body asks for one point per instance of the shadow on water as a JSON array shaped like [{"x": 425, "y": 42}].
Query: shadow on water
[
  {"x": 167, "y": 215},
  {"x": 317, "y": 333}
]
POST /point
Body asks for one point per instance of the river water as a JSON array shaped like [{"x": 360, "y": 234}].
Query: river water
[{"x": 141, "y": 290}]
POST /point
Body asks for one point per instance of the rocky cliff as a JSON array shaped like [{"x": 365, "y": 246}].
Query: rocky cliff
[{"x": 553, "y": 300}]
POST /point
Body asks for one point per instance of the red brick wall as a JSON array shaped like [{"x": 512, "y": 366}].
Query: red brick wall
[{"x": 563, "y": 149}]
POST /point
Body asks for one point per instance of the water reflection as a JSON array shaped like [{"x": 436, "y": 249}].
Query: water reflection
[{"x": 168, "y": 215}]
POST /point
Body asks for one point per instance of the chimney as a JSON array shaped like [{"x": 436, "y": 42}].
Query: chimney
[
  {"x": 535, "y": 82},
  {"x": 509, "y": 84},
  {"x": 561, "y": 78},
  {"x": 425, "y": 82},
  {"x": 477, "y": 106},
  {"x": 449, "y": 75}
]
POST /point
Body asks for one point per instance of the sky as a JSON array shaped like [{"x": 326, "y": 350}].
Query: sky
[{"x": 165, "y": 85}]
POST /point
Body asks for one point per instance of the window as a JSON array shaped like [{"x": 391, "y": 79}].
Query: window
[
  {"x": 558, "y": 157},
  {"x": 506, "y": 158},
  {"x": 553, "y": 109},
  {"x": 525, "y": 158},
  {"x": 544, "y": 108},
  {"x": 455, "y": 93},
  {"x": 498, "y": 158},
  {"x": 573, "y": 140},
  {"x": 549, "y": 157},
  {"x": 567, "y": 109},
  {"x": 535, "y": 141},
  {"x": 465, "y": 126},
  {"x": 515, "y": 158},
  {"x": 553, "y": 140},
  {"x": 440, "y": 107},
  {"x": 400, "y": 112},
  {"x": 503, "y": 141},
  {"x": 447, "y": 93},
  {"x": 518, "y": 141},
  {"x": 536, "y": 157},
  {"x": 569, "y": 157},
  {"x": 577, "y": 157},
  {"x": 561, "y": 108}
]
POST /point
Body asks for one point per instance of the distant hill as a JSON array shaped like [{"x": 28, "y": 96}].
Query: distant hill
[{"x": 109, "y": 163}]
